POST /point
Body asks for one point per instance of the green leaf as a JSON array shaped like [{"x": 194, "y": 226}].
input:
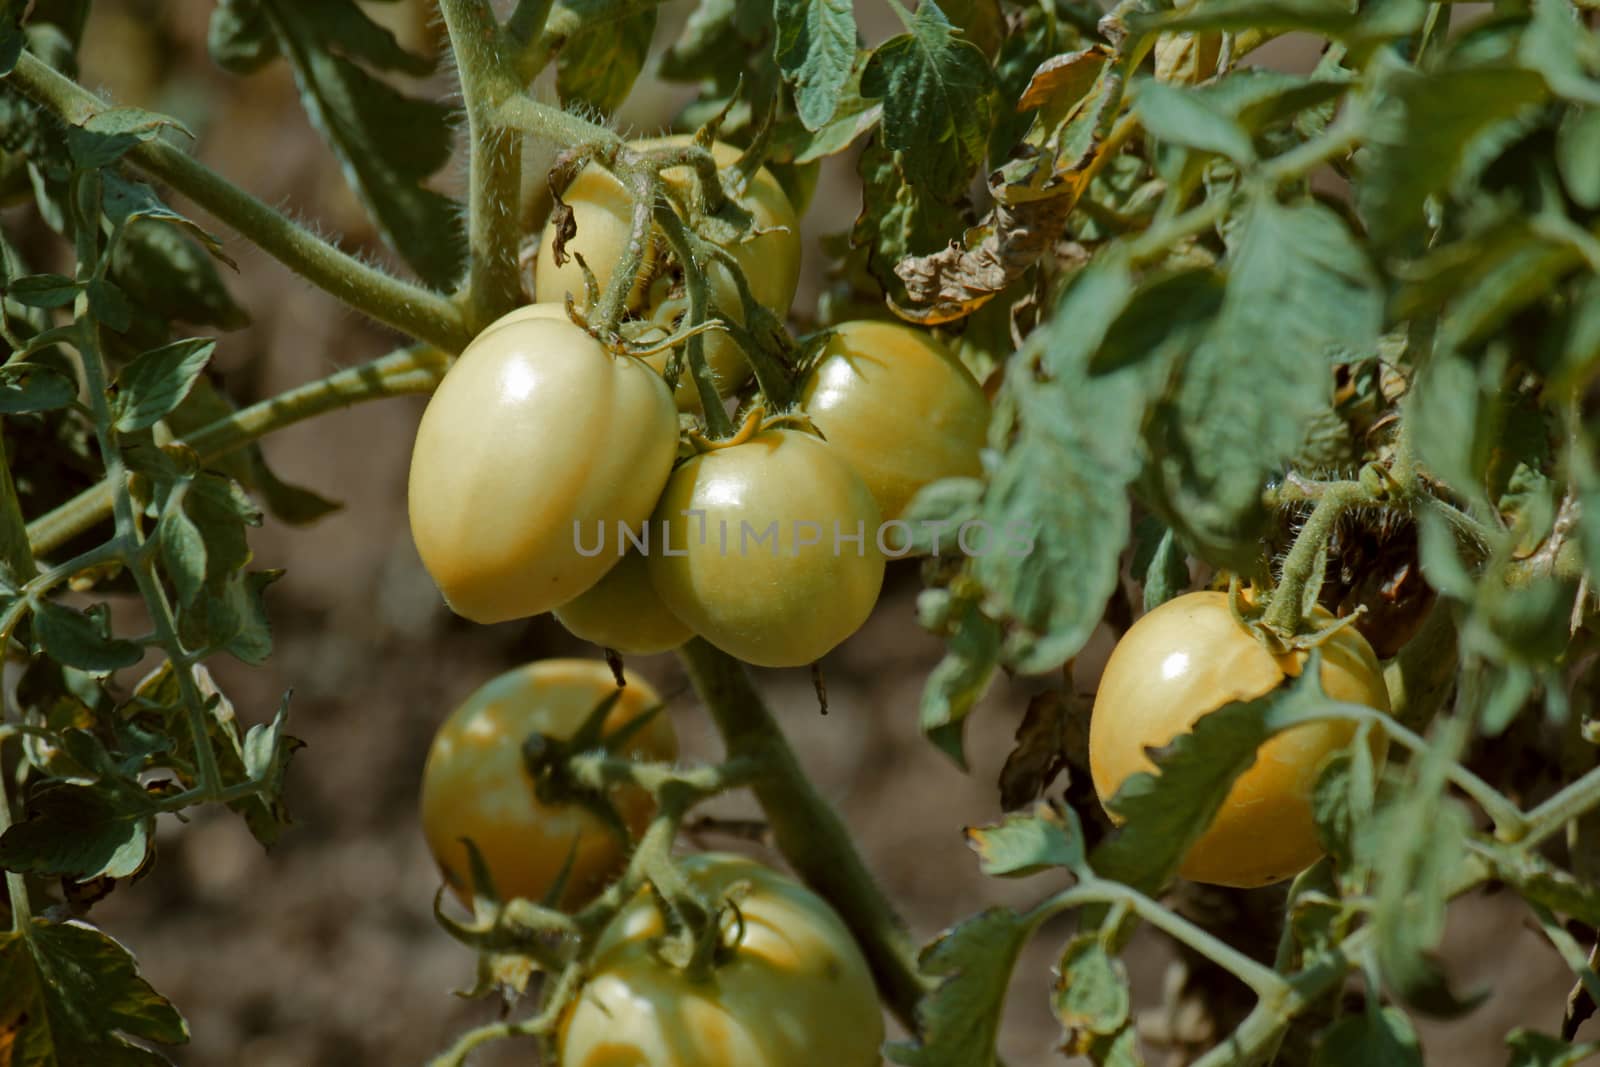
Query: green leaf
[
  {"x": 1529, "y": 1048},
  {"x": 816, "y": 49},
  {"x": 1063, "y": 533},
  {"x": 1426, "y": 131},
  {"x": 938, "y": 100},
  {"x": 1578, "y": 156},
  {"x": 1362, "y": 28},
  {"x": 158, "y": 380},
  {"x": 1539, "y": 881},
  {"x": 69, "y": 994},
  {"x": 960, "y": 1019},
  {"x": 1181, "y": 116},
  {"x": 1454, "y": 410},
  {"x": 1045, "y": 838},
  {"x": 183, "y": 550},
  {"x": 1167, "y": 575},
  {"x": 1165, "y": 320},
  {"x": 16, "y": 553},
  {"x": 43, "y": 290},
  {"x": 390, "y": 143},
  {"x": 110, "y": 305},
  {"x": 1258, "y": 99},
  {"x": 127, "y": 203},
  {"x": 34, "y": 387},
  {"x": 1378, "y": 1037},
  {"x": 959, "y": 680},
  {"x": 78, "y": 640},
  {"x": 239, "y": 36},
  {"x": 81, "y": 832},
  {"x": 1556, "y": 45},
  {"x": 166, "y": 272},
  {"x": 598, "y": 65},
  {"x": 1091, "y": 995},
  {"x": 110, "y": 134},
  {"x": 12, "y": 38}
]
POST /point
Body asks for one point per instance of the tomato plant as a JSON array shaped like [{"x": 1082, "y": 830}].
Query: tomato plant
[
  {"x": 786, "y": 987},
  {"x": 476, "y": 785},
  {"x": 1317, "y": 320},
  {"x": 505, "y": 471}
]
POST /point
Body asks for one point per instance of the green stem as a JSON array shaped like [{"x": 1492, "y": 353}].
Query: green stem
[
  {"x": 1575, "y": 799},
  {"x": 642, "y": 185},
  {"x": 132, "y": 538},
  {"x": 484, "y": 61},
  {"x": 806, "y": 828},
  {"x": 677, "y": 234},
  {"x": 16, "y": 883},
  {"x": 552, "y": 125},
  {"x": 1284, "y": 615},
  {"x": 409, "y": 308},
  {"x": 407, "y": 371}
]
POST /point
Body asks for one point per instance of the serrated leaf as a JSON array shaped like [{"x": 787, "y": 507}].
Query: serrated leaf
[
  {"x": 34, "y": 387},
  {"x": 388, "y": 142},
  {"x": 1046, "y": 837},
  {"x": 80, "y": 832},
  {"x": 598, "y": 65},
  {"x": 1168, "y": 573},
  {"x": 183, "y": 551},
  {"x": 1578, "y": 156},
  {"x": 1258, "y": 98},
  {"x": 1181, "y": 116},
  {"x": 960, "y": 1019},
  {"x": 69, "y": 994},
  {"x": 1453, "y": 409},
  {"x": 1538, "y": 880},
  {"x": 1424, "y": 132},
  {"x": 1091, "y": 996},
  {"x": 1378, "y": 1037},
  {"x": 938, "y": 100},
  {"x": 80, "y": 641},
  {"x": 1529, "y": 1048},
  {"x": 1556, "y": 45},
  {"x": 1084, "y": 430},
  {"x": 959, "y": 680},
  {"x": 158, "y": 380},
  {"x": 1165, "y": 320},
  {"x": 816, "y": 49},
  {"x": 110, "y": 134},
  {"x": 128, "y": 202}
]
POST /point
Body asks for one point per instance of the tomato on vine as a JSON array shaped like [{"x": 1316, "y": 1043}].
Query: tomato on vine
[
  {"x": 624, "y": 612},
  {"x": 1186, "y": 659},
  {"x": 536, "y": 433},
  {"x": 768, "y": 256},
  {"x": 476, "y": 785},
  {"x": 898, "y": 406},
  {"x": 770, "y": 548},
  {"x": 789, "y": 987}
]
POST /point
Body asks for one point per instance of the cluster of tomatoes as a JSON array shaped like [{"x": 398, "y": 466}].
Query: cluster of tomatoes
[
  {"x": 790, "y": 987},
  {"x": 548, "y": 474}
]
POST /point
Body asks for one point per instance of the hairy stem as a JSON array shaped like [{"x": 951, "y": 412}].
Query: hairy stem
[
  {"x": 407, "y": 371},
  {"x": 484, "y": 61},
  {"x": 413, "y": 310},
  {"x": 694, "y": 279},
  {"x": 806, "y": 828},
  {"x": 1284, "y": 615}
]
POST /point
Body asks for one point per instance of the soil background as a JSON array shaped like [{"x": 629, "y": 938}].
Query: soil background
[{"x": 324, "y": 952}]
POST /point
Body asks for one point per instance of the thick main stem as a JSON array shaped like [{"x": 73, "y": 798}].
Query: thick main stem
[
  {"x": 485, "y": 60},
  {"x": 409, "y": 308},
  {"x": 806, "y": 828}
]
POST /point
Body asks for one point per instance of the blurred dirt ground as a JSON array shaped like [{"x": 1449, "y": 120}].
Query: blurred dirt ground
[{"x": 324, "y": 952}]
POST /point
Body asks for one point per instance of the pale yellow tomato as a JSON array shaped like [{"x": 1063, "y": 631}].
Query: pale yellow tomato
[
  {"x": 536, "y": 432},
  {"x": 899, "y": 407},
  {"x": 768, "y": 255},
  {"x": 792, "y": 991},
  {"x": 1189, "y": 657},
  {"x": 623, "y": 612},
  {"x": 476, "y": 785},
  {"x": 770, "y": 548}
]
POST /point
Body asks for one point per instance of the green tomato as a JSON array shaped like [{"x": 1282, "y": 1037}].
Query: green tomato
[
  {"x": 769, "y": 548},
  {"x": 535, "y": 431},
  {"x": 768, "y": 256},
  {"x": 792, "y": 988},
  {"x": 899, "y": 407},
  {"x": 476, "y": 785},
  {"x": 624, "y": 612}
]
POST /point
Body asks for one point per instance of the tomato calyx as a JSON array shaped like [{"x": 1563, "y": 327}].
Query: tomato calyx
[
  {"x": 699, "y": 939},
  {"x": 1242, "y": 605}
]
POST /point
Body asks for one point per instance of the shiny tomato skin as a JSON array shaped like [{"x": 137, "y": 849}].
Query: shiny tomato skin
[
  {"x": 899, "y": 407},
  {"x": 624, "y": 612},
  {"x": 535, "y": 428},
  {"x": 774, "y": 601},
  {"x": 1189, "y": 657},
  {"x": 475, "y": 784},
  {"x": 794, "y": 991},
  {"x": 769, "y": 257}
]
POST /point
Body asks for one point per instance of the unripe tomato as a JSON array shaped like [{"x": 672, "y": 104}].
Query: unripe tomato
[
  {"x": 476, "y": 785},
  {"x": 535, "y": 428},
  {"x": 754, "y": 555},
  {"x": 794, "y": 990},
  {"x": 769, "y": 257},
  {"x": 899, "y": 407},
  {"x": 624, "y": 612},
  {"x": 1189, "y": 657}
]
